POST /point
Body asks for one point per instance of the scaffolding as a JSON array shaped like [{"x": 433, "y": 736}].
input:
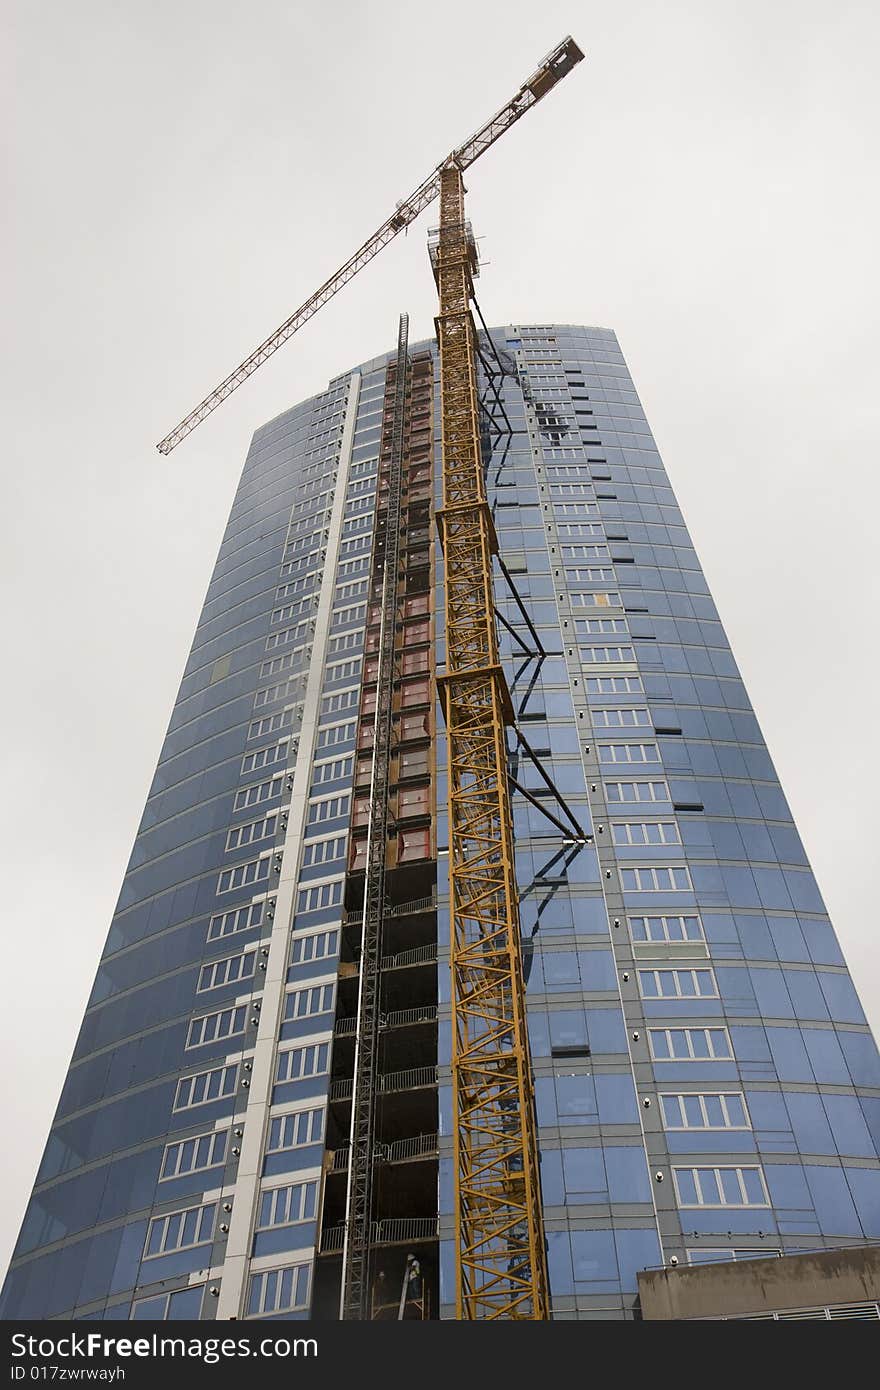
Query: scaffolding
[{"x": 355, "y": 1298}]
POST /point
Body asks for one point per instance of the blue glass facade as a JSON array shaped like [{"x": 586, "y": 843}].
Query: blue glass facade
[{"x": 706, "y": 1083}]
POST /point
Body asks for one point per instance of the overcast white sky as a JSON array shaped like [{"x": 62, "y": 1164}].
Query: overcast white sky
[{"x": 181, "y": 174}]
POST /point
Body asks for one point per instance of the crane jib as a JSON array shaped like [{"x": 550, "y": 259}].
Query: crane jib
[{"x": 549, "y": 72}]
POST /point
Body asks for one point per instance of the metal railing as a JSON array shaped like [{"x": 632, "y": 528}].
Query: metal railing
[
  {"x": 391, "y": 1232},
  {"x": 415, "y": 905},
  {"x": 400, "y": 1151},
  {"x": 355, "y": 915},
  {"x": 410, "y": 1080},
  {"x": 401, "y": 1018},
  {"x": 415, "y": 956},
  {"x": 421, "y": 1146}
]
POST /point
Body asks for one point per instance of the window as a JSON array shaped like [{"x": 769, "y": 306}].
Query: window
[
  {"x": 227, "y": 971},
  {"x": 323, "y": 851},
  {"x": 636, "y": 791},
  {"x": 585, "y": 528},
  {"x": 330, "y": 808},
  {"x": 620, "y": 718},
  {"x": 343, "y": 616},
  {"x": 569, "y": 452},
  {"x": 277, "y": 692},
  {"x": 343, "y": 699},
  {"x": 414, "y": 844},
  {"x": 355, "y": 589},
  {"x": 279, "y": 1291},
  {"x": 359, "y": 470},
  {"x": 345, "y": 642},
  {"x": 614, "y": 685},
  {"x": 180, "y": 1230},
  {"x": 689, "y": 1044},
  {"x": 305, "y": 1003},
  {"x": 295, "y": 1131},
  {"x": 595, "y": 599},
  {"x": 288, "y": 635},
  {"x": 591, "y": 574},
  {"x": 286, "y": 661},
  {"x": 335, "y": 733},
  {"x": 350, "y": 567},
  {"x": 319, "y": 895},
  {"x": 300, "y": 546},
  {"x": 182, "y": 1304},
  {"x": 270, "y": 723},
  {"x": 205, "y": 1086},
  {"x": 574, "y": 508},
  {"x": 194, "y": 1155},
  {"x": 678, "y": 984},
  {"x": 343, "y": 669},
  {"x": 225, "y": 1023},
  {"x": 356, "y": 524},
  {"x": 261, "y": 791},
  {"x": 720, "y": 1187},
  {"x": 356, "y": 545},
  {"x": 303, "y": 562},
  {"x": 305, "y": 584},
  {"x": 362, "y": 485},
  {"x": 656, "y": 928},
  {"x": 628, "y": 753},
  {"x": 646, "y": 832},
  {"x": 299, "y": 1062},
  {"x": 588, "y": 627},
  {"x": 586, "y": 552},
  {"x": 656, "y": 878},
  {"x": 602, "y": 655},
  {"x": 415, "y": 762},
  {"x": 241, "y": 835},
  {"x": 320, "y": 945},
  {"x": 254, "y": 871},
  {"x": 411, "y": 662},
  {"x": 239, "y": 919},
  {"x": 294, "y": 608},
  {"x": 413, "y": 801},
  {"x": 264, "y": 757},
  {"x": 704, "y": 1110},
  {"x": 333, "y": 771},
  {"x": 415, "y": 692},
  {"x": 284, "y": 1206}
]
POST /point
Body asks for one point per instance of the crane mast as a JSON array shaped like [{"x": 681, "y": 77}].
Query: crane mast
[{"x": 501, "y": 1268}]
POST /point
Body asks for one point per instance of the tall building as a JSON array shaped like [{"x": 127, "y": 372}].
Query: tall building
[{"x": 707, "y": 1088}]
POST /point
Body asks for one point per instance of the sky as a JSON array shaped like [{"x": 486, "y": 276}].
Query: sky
[{"x": 181, "y": 174}]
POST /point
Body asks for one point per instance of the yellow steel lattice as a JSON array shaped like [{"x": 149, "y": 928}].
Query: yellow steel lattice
[{"x": 501, "y": 1265}]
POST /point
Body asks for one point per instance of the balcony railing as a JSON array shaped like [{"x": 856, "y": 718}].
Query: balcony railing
[
  {"x": 416, "y": 956},
  {"x": 395, "y": 1230},
  {"x": 401, "y": 1151},
  {"x": 403, "y": 1018},
  {"x": 411, "y": 1080},
  {"x": 355, "y": 915},
  {"x": 415, "y": 1078}
]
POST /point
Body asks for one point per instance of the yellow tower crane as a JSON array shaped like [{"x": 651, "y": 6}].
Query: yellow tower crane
[{"x": 501, "y": 1257}]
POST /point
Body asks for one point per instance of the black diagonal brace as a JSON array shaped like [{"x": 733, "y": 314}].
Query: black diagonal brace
[
  {"x": 580, "y": 833},
  {"x": 521, "y": 606},
  {"x": 539, "y": 806}
]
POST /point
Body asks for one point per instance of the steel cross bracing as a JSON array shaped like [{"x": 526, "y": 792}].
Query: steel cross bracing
[
  {"x": 359, "y": 1195},
  {"x": 554, "y": 67},
  {"x": 501, "y": 1265}
]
